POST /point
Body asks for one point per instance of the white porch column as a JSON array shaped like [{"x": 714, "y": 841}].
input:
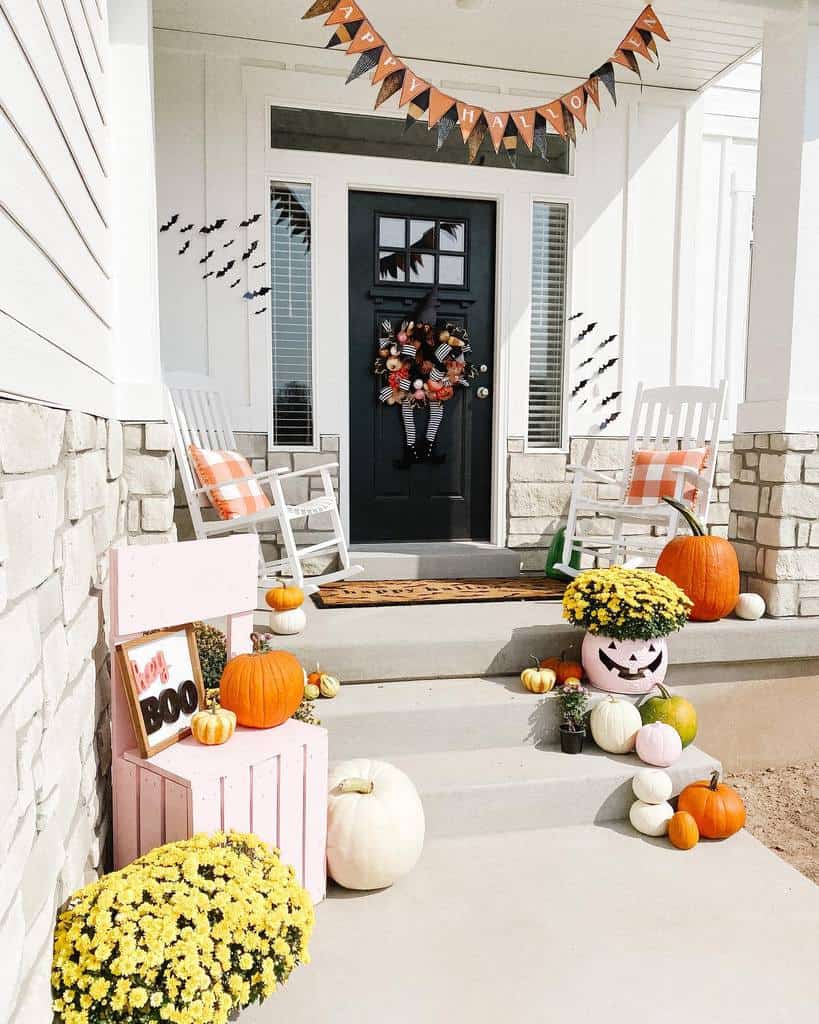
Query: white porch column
[{"x": 783, "y": 332}]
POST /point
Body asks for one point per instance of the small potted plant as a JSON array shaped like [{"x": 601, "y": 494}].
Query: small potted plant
[{"x": 574, "y": 703}]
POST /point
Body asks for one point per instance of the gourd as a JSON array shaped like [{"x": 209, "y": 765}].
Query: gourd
[
  {"x": 658, "y": 744},
  {"x": 682, "y": 831},
  {"x": 650, "y": 819},
  {"x": 538, "y": 679},
  {"x": 703, "y": 566},
  {"x": 311, "y": 691},
  {"x": 284, "y": 599},
  {"x": 716, "y": 807},
  {"x": 287, "y": 617},
  {"x": 750, "y": 606},
  {"x": 375, "y": 824},
  {"x": 263, "y": 688},
  {"x": 213, "y": 725},
  {"x": 652, "y": 786},
  {"x": 615, "y": 724},
  {"x": 674, "y": 711},
  {"x": 329, "y": 686}
]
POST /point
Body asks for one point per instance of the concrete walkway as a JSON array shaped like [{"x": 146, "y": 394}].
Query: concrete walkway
[{"x": 586, "y": 924}]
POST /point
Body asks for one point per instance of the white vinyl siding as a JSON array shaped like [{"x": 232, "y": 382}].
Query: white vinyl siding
[{"x": 548, "y": 324}]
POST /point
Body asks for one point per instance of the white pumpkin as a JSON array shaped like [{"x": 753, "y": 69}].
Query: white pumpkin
[
  {"x": 750, "y": 606},
  {"x": 659, "y": 744},
  {"x": 651, "y": 819},
  {"x": 288, "y": 623},
  {"x": 652, "y": 786},
  {"x": 615, "y": 724},
  {"x": 375, "y": 824}
]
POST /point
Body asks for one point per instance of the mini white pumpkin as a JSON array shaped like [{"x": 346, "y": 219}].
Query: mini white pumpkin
[
  {"x": 750, "y": 606},
  {"x": 652, "y": 786},
  {"x": 615, "y": 724},
  {"x": 651, "y": 819},
  {"x": 375, "y": 824},
  {"x": 288, "y": 623}
]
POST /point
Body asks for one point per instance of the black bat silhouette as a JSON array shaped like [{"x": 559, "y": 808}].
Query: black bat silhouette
[
  {"x": 249, "y": 252},
  {"x": 580, "y": 386},
  {"x": 610, "y": 398},
  {"x": 582, "y": 403},
  {"x": 249, "y": 221},
  {"x": 185, "y": 247},
  {"x": 238, "y": 279},
  {"x": 256, "y": 312},
  {"x": 585, "y": 362},
  {"x": 574, "y": 316},
  {"x": 255, "y": 294},
  {"x": 225, "y": 268},
  {"x": 228, "y": 243},
  {"x": 169, "y": 224},
  {"x": 187, "y": 227},
  {"x": 609, "y": 419},
  {"x": 258, "y": 266},
  {"x": 206, "y": 258},
  {"x": 586, "y": 330},
  {"x": 210, "y": 273},
  {"x": 606, "y": 365},
  {"x": 606, "y": 341},
  {"x": 207, "y": 228}
]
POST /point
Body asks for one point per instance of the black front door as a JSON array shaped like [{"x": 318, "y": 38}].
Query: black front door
[{"x": 400, "y": 247}]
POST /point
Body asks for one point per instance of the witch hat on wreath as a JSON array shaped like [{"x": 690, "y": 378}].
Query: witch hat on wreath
[{"x": 427, "y": 310}]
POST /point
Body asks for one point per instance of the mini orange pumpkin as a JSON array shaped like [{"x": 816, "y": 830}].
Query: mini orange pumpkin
[
  {"x": 263, "y": 688},
  {"x": 284, "y": 599},
  {"x": 716, "y": 808},
  {"x": 683, "y": 831},
  {"x": 213, "y": 725},
  {"x": 563, "y": 669}
]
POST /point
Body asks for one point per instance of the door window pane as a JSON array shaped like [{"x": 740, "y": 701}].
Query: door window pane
[
  {"x": 422, "y": 234},
  {"x": 391, "y": 232},
  {"x": 391, "y": 266},
  {"x": 452, "y": 235},
  {"x": 451, "y": 270},
  {"x": 422, "y": 268}
]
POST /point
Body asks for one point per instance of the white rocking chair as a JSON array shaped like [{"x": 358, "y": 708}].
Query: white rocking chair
[
  {"x": 668, "y": 418},
  {"x": 198, "y": 416}
]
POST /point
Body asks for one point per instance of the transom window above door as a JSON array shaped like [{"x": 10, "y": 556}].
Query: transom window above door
[{"x": 418, "y": 250}]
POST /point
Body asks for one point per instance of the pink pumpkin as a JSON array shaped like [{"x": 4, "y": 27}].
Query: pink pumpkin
[
  {"x": 624, "y": 666},
  {"x": 659, "y": 744}
]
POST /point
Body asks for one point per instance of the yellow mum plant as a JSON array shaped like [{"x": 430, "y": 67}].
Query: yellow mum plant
[
  {"x": 189, "y": 933},
  {"x": 626, "y": 604}
]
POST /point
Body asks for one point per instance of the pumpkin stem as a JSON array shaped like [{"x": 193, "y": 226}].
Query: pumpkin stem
[
  {"x": 257, "y": 640},
  {"x": 697, "y": 529},
  {"x": 714, "y": 780},
  {"x": 664, "y": 691},
  {"x": 356, "y": 785},
  {"x": 535, "y": 661}
]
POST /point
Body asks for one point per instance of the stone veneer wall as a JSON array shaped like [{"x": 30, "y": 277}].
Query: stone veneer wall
[
  {"x": 72, "y": 486},
  {"x": 311, "y": 530},
  {"x": 540, "y": 488},
  {"x": 774, "y": 522}
]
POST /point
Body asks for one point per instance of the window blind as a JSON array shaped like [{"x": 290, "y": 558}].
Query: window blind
[
  {"x": 548, "y": 322},
  {"x": 291, "y": 297}
]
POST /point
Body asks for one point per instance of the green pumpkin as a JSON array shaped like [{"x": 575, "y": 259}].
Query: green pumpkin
[
  {"x": 674, "y": 711},
  {"x": 555, "y": 555}
]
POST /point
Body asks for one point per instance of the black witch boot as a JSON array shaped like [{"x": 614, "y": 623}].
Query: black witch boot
[
  {"x": 409, "y": 458},
  {"x": 434, "y": 454}
]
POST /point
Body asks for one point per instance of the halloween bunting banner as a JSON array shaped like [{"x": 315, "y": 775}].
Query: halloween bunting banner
[{"x": 506, "y": 129}]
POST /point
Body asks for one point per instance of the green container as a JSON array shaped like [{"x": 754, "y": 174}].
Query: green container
[{"x": 556, "y": 555}]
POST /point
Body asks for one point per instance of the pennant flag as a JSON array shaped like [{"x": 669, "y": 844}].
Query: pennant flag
[
  {"x": 650, "y": 42},
  {"x": 476, "y": 137},
  {"x": 318, "y": 8},
  {"x": 651, "y": 23},
  {"x": 525, "y": 124},
  {"x": 387, "y": 64},
  {"x": 575, "y": 103},
  {"x": 628, "y": 60},
  {"x": 634, "y": 41},
  {"x": 343, "y": 34},
  {"x": 510, "y": 141},
  {"x": 606, "y": 75},
  {"x": 446, "y": 124},
  {"x": 468, "y": 118},
  {"x": 413, "y": 86},
  {"x": 344, "y": 13},
  {"x": 439, "y": 104},
  {"x": 417, "y": 108},
  {"x": 365, "y": 39},
  {"x": 366, "y": 62},
  {"x": 568, "y": 123},
  {"x": 389, "y": 87},
  {"x": 541, "y": 135},
  {"x": 497, "y": 126},
  {"x": 553, "y": 112},
  {"x": 592, "y": 87}
]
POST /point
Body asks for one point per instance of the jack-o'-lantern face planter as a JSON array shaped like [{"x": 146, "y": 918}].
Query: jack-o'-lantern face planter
[{"x": 624, "y": 666}]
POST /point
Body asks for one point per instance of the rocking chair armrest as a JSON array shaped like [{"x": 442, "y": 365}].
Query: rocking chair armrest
[
  {"x": 207, "y": 489},
  {"x": 593, "y": 474},
  {"x": 694, "y": 474},
  {"x": 307, "y": 471}
]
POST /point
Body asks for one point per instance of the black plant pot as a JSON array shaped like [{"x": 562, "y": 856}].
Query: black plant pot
[{"x": 571, "y": 742}]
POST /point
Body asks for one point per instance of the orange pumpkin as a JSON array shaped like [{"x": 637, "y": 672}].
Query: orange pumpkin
[
  {"x": 683, "y": 831},
  {"x": 213, "y": 725},
  {"x": 716, "y": 808},
  {"x": 704, "y": 567},
  {"x": 284, "y": 599},
  {"x": 552, "y": 663},
  {"x": 563, "y": 669},
  {"x": 263, "y": 688}
]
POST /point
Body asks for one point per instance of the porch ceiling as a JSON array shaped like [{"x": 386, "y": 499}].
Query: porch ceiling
[{"x": 560, "y": 37}]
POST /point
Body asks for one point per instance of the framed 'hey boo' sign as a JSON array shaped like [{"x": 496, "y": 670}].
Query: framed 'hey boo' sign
[{"x": 163, "y": 686}]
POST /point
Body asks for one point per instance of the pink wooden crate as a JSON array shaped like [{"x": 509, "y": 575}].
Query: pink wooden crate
[{"x": 272, "y": 782}]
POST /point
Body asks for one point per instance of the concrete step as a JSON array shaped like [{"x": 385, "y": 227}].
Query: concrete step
[
  {"x": 502, "y": 789},
  {"x": 559, "y": 925},
  {"x": 435, "y": 560}
]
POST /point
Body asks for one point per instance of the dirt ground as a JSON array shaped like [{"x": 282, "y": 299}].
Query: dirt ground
[{"x": 783, "y": 812}]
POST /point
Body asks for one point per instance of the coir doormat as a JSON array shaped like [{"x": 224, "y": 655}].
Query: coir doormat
[{"x": 376, "y": 593}]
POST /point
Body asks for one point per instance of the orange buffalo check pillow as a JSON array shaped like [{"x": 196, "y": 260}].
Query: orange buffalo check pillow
[
  {"x": 652, "y": 477},
  {"x": 230, "y": 500}
]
